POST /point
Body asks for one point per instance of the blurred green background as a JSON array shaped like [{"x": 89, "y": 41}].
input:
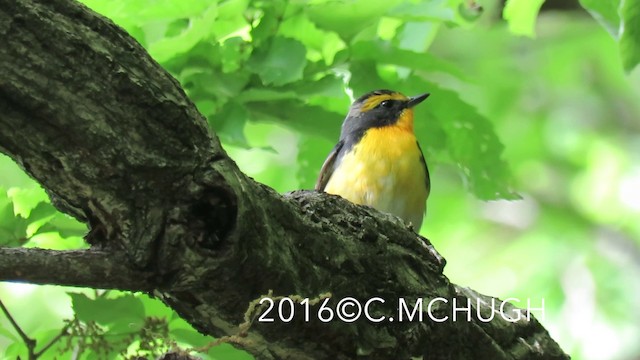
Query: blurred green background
[{"x": 544, "y": 106}]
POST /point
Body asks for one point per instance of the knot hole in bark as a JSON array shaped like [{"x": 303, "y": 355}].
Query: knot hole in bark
[{"x": 214, "y": 216}]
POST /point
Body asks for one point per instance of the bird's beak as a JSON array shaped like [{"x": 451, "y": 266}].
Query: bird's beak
[{"x": 415, "y": 100}]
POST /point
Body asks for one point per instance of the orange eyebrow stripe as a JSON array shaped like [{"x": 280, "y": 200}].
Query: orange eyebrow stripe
[{"x": 374, "y": 100}]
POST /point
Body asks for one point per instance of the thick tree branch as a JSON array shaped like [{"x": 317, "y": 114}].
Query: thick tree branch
[
  {"x": 86, "y": 268},
  {"x": 63, "y": 68},
  {"x": 115, "y": 141}
]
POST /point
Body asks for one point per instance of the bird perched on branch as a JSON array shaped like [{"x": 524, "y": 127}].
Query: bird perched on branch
[{"x": 378, "y": 161}]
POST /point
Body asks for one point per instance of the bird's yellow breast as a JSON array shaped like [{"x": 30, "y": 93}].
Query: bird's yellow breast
[{"x": 384, "y": 171}]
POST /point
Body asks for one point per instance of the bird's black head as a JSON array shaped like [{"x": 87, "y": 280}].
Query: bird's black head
[{"x": 380, "y": 108}]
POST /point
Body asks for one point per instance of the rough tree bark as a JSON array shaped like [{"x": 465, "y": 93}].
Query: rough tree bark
[{"x": 116, "y": 143}]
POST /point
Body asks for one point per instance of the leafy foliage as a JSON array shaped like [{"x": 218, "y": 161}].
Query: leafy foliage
[
  {"x": 109, "y": 327},
  {"x": 275, "y": 79},
  {"x": 521, "y": 15},
  {"x": 630, "y": 37},
  {"x": 270, "y": 60},
  {"x": 606, "y": 12},
  {"x": 622, "y": 20},
  {"x": 26, "y": 214}
]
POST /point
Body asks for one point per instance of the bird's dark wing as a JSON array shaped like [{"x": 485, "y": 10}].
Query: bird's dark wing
[
  {"x": 426, "y": 169},
  {"x": 328, "y": 167}
]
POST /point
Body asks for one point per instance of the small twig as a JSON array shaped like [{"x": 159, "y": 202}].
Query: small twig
[
  {"x": 62, "y": 333},
  {"x": 100, "y": 293},
  {"x": 30, "y": 343},
  {"x": 230, "y": 339},
  {"x": 249, "y": 316}
]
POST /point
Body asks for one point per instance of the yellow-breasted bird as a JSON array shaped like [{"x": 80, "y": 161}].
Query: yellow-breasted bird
[{"x": 378, "y": 161}]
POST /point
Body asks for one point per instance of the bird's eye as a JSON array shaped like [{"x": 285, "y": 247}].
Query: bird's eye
[{"x": 386, "y": 104}]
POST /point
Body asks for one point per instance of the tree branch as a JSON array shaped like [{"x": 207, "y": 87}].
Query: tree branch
[
  {"x": 52, "y": 342},
  {"x": 29, "y": 342},
  {"x": 115, "y": 141},
  {"x": 86, "y": 268}
]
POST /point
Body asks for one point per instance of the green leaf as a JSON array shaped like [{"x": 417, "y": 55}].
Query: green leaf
[
  {"x": 44, "y": 337},
  {"x": 417, "y": 36},
  {"x": 64, "y": 225},
  {"x": 13, "y": 228},
  {"x": 320, "y": 44},
  {"x": 141, "y": 12},
  {"x": 17, "y": 350},
  {"x": 26, "y": 199},
  {"x": 231, "y": 19},
  {"x": 200, "y": 74},
  {"x": 606, "y": 13},
  {"x": 521, "y": 15},
  {"x": 229, "y": 124},
  {"x": 199, "y": 29},
  {"x": 265, "y": 94},
  {"x": 233, "y": 52},
  {"x": 329, "y": 85},
  {"x": 39, "y": 216},
  {"x": 156, "y": 308},
  {"x": 6, "y": 333},
  {"x": 41, "y": 212},
  {"x": 470, "y": 11},
  {"x": 630, "y": 37},
  {"x": 434, "y": 10},
  {"x": 268, "y": 15},
  {"x": 385, "y": 53},
  {"x": 347, "y": 18},
  {"x": 281, "y": 62},
  {"x": 124, "y": 310},
  {"x": 471, "y": 142},
  {"x": 190, "y": 336},
  {"x": 312, "y": 152},
  {"x": 227, "y": 351},
  {"x": 31, "y": 204},
  {"x": 53, "y": 241},
  {"x": 299, "y": 116}
]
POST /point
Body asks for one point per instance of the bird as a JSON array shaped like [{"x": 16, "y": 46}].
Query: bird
[{"x": 378, "y": 161}]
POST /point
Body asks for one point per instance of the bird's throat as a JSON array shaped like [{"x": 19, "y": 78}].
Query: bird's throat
[{"x": 405, "y": 121}]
